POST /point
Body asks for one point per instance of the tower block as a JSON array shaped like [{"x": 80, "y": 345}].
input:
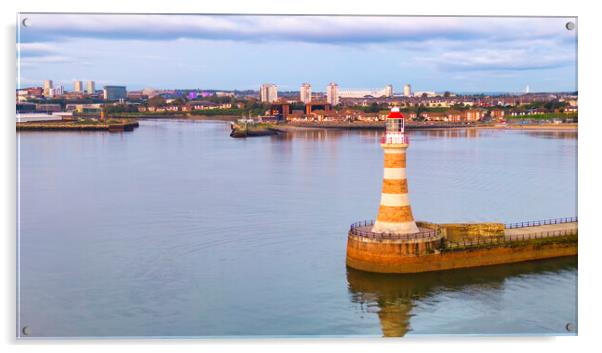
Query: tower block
[{"x": 395, "y": 212}]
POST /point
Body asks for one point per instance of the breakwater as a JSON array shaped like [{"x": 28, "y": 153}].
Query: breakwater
[
  {"x": 452, "y": 246},
  {"x": 77, "y": 126}
]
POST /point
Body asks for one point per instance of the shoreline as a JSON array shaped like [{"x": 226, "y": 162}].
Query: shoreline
[
  {"x": 569, "y": 127},
  {"x": 549, "y": 127},
  {"x": 227, "y": 118},
  {"x": 366, "y": 125}
]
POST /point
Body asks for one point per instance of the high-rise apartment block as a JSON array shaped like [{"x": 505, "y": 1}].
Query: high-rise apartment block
[
  {"x": 90, "y": 87},
  {"x": 305, "y": 93},
  {"x": 332, "y": 93},
  {"x": 407, "y": 90},
  {"x": 268, "y": 93},
  {"x": 388, "y": 91},
  {"x": 78, "y": 86},
  {"x": 47, "y": 87}
]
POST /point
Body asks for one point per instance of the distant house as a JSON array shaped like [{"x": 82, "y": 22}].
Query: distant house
[
  {"x": 474, "y": 114},
  {"x": 205, "y": 105},
  {"x": 497, "y": 114},
  {"x": 435, "y": 116},
  {"x": 455, "y": 115},
  {"x": 517, "y": 112}
]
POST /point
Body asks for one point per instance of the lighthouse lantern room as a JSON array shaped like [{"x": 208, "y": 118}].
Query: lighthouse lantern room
[{"x": 395, "y": 128}]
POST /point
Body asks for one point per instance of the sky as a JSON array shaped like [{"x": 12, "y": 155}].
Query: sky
[{"x": 457, "y": 54}]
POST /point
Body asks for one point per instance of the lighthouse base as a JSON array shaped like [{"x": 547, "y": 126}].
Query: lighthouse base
[{"x": 397, "y": 228}]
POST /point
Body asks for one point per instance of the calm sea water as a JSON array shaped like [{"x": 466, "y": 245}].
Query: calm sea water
[{"x": 176, "y": 229}]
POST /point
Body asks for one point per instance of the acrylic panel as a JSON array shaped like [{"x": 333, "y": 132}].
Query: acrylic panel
[{"x": 194, "y": 176}]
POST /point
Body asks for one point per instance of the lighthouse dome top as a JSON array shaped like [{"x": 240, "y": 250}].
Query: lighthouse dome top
[{"x": 395, "y": 113}]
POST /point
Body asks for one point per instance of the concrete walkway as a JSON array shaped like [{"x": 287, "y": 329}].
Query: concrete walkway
[{"x": 516, "y": 233}]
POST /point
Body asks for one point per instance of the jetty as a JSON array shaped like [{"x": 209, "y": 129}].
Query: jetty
[
  {"x": 451, "y": 246},
  {"x": 396, "y": 243}
]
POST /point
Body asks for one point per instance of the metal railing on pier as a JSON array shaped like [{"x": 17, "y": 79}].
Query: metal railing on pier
[
  {"x": 479, "y": 242},
  {"x": 544, "y": 222},
  {"x": 360, "y": 229}
]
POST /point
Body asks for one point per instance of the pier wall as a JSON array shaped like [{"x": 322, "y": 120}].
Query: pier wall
[
  {"x": 464, "y": 231},
  {"x": 374, "y": 256}
]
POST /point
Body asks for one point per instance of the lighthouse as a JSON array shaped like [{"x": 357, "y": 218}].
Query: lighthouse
[
  {"x": 395, "y": 243},
  {"x": 395, "y": 213}
]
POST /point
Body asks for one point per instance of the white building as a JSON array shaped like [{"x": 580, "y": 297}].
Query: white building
[
  {"x": 90, "y": 87},
  {"x": 47, "y": 87},
  {"x": 407, "y": 90},
  {"x": 150, "y": 92},
  {"x": 387, "y": 91},
  {"x": 427, "y": 93},
  {"x": 78, "y": 86},
  {"x": 57, "y": 91},
  {"x": 23, "y": 118},
  {"x": 305, "y": 93},
  {"x": 332, "y": 93},
  {"x": 268, "y": 93}
]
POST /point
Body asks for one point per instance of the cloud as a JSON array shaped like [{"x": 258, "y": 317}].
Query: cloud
[
  {"x": 124, "y": 48},
  {"x": 501, "y": 60},
  {"x": 34, "y": 61},
  {"x": 311, "y": 29}
]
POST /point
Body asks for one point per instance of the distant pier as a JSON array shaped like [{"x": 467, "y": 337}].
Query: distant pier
[{"x": 112, "y": 126}]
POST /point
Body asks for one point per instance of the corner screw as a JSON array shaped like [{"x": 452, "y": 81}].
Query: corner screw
[
  {"x": 570, "y": 25},
  {"x": 26, "y": 331}
]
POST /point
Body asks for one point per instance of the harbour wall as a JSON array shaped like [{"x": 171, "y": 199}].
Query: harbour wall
[{"x": 401, "y": 257}]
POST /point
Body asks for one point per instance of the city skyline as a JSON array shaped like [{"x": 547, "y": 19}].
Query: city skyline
[{"x": 459, "y": 54}]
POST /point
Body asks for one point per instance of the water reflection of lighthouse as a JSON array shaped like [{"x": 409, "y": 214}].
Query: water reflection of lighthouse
[{"x": 395, "y": 296}]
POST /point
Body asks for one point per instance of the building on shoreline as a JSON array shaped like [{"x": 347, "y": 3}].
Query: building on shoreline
[
  {"x": 111, "y": 93},
  {"x": 305, "y": 93},
  {"x": 268, "y": 93},
  {"x": 78, "y": 86},
  {"x": 47, "y": 87},
  {"x": 90, "y": 87},
  {"x": 332, "y": 93},
  {"x": 407, "y": 90},
  {"x": 387, "y": 92}
]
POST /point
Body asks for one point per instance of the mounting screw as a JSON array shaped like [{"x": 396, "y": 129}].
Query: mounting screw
[
  {"x": 26, "y": 331},
  {"x": 570, "y": 25}
]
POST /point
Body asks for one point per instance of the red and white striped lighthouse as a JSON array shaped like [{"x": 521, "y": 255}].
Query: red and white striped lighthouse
[{"x": 395, "y": 213}]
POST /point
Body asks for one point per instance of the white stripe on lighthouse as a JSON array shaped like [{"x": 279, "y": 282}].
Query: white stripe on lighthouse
[
  {"x": 395, "y": 173},
  {"x": 397, "y": 227},
  {"x": 394, "y": 199}
]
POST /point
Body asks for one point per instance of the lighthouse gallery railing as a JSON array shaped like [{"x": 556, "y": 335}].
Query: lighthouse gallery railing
[
  {"x": 399, "y": 139},
  {"x": 359, "y": 229}
]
